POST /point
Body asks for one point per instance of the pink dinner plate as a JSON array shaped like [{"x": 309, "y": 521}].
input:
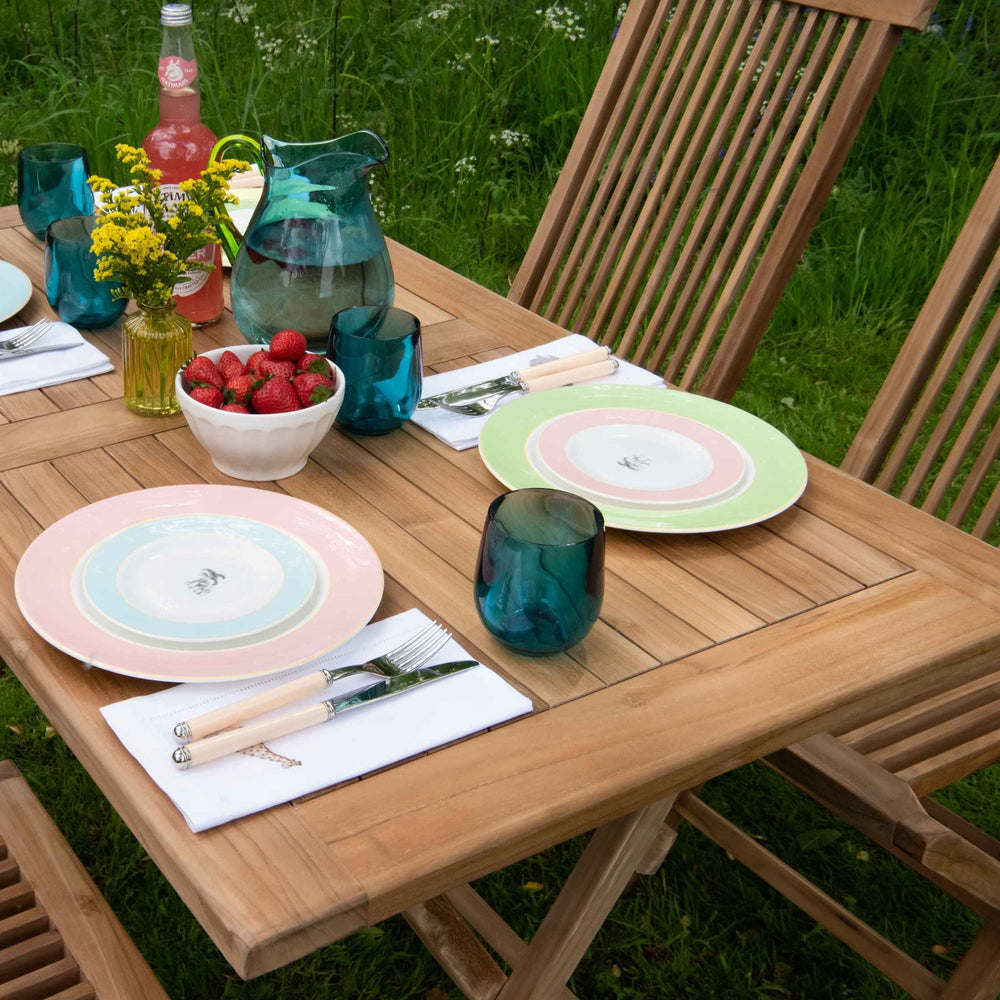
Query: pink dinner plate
[
  {"x": 351, "y": 568},
  {"x": 638, "y": 456}
]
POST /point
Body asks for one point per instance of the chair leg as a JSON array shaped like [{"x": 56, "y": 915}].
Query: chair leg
[
  {"x": 978, "y": 974},
  {"x": 590, "y": 892}
]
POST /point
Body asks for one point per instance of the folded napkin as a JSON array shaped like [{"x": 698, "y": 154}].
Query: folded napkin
[
  {"x": 355, "y": 743},
  {"x": 462, "y": 431},
  {"x": 33, "y": 371}
]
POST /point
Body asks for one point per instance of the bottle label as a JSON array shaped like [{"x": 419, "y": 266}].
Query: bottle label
[
  {"x": 176, "y": 73},
  {"x": 191, "y": 281}
]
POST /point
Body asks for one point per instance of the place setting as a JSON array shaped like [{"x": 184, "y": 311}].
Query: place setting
[{"x": 229, "y": 594}]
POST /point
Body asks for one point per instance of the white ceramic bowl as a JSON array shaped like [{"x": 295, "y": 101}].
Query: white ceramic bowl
[{"x": 258, "y": 446}]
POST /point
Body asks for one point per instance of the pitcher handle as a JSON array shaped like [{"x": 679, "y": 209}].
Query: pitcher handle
[{"x": 231, "y": 237}]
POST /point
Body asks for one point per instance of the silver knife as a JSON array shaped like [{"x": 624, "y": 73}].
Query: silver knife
[
  {"x": 515, "y": 380},
  {"x": 233, "y": 740}
]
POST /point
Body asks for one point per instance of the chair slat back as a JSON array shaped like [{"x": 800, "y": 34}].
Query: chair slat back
[
  {"x": 713, "y": 138},
  {"x": 932, "y": 435}
]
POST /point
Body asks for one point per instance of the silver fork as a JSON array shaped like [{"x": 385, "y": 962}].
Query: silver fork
[
  {"x": 409, "y": 655},
  {"x": 27, "y": 336}
]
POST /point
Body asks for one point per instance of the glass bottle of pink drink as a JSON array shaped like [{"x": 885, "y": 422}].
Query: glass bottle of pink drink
[{"x": 180, "y": 145}]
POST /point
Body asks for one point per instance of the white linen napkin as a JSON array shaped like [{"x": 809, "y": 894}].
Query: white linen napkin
[
  {"x": 355, "y": 743},
  {"x": 34, "y": 371},
  {"x": 462, "y": 431}
]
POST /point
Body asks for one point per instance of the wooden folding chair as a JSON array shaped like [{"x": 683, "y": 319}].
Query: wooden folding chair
[
  {"x": 59, "y": 939},
  {"x": 932, "y": 437},
  {"x": 714, "y": 136}
]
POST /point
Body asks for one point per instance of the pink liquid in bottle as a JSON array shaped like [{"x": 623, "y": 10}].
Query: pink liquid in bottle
[{"x": 179, "y": 146}]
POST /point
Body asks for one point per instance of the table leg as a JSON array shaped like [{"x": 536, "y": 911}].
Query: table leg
[{"x": 592, "y": 889}]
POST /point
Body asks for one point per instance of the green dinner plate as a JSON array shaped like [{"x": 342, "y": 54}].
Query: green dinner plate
[{"x": 779, "y": 469}]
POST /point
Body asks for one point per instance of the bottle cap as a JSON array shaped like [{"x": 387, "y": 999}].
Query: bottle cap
[{"x": 175, "y": 14}]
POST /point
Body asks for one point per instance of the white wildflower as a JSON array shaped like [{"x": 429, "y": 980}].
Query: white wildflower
[
  {"x": 563, "y": 21},
  {"x": 510, "y": 138},
  {"x": 240, "y": 12},
  {"x": 460, "y": 62},
  {"x": 487, "y": 40},
  {"x": 270, "y": 48},
  {"x": 441, "y": 13},
  {"x": 304, "y": 44},
  {"x": 465, "y": 167},
  {"x": 934, "y": 29},
  {"x": 622, "y": 8}
]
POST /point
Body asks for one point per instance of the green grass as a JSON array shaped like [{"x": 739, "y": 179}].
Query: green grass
[{"x": 437, "y": 88}]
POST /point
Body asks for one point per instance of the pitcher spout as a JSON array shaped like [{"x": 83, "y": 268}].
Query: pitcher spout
[
  {"x": 366, "y": 144},
  {"x": 354, "y": 153}
]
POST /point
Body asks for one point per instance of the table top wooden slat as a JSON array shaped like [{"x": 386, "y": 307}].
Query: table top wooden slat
[{"x": 711, "y": 650}]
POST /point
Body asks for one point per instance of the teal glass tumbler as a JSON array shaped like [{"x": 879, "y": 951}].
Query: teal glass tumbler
[
  {"x": 379, "y": 351},
  {"x": 540, "y": 572},
  {"x": 52, "y": 184},
  {"x": 70, "y": 286}
]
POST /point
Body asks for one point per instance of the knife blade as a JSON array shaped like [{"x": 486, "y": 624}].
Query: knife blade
[
  {"x": 390, "y": 686},
  {"x": 232, "y": 740},
  {"x": 27, "y": 351}
]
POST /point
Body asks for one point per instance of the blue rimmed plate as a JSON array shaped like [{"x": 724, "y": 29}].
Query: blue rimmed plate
[
  {"x": 197, "y": 579},
  {"x": 15, "y": 290}
]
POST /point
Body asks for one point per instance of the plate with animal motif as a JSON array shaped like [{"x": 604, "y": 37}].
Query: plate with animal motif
[
  {"x": 198, "y": 580},
  {"x": 293, "y": 581},
  {"x": 651, "y": 458}
]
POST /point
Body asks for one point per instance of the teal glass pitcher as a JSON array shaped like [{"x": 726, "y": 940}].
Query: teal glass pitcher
[{"x": 313, "y": 245}]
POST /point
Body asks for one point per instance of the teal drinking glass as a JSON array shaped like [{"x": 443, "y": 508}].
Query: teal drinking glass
[
  {"x": 540, "y": 572},
  {"x": 70, "y": 286},
  {"x": 52, "y": 184},
  {"x": 378, "y": 350}
]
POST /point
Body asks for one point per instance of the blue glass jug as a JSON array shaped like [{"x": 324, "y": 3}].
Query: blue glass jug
[{"x": 313, "y": 245}]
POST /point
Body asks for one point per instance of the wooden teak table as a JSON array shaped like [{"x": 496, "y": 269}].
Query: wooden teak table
[{"x": 711, "y": 651}]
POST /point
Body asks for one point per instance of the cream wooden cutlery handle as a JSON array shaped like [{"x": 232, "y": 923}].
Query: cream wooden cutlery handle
[
  {"x": 590, "y": 357},
  {"x": 573, "y": 375},
  {"x": 222, "y": 744},
  {"x": 249, "y": 708}
]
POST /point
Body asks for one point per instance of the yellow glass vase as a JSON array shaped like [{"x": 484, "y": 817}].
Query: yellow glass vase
[{"x": 157, "y": 341}]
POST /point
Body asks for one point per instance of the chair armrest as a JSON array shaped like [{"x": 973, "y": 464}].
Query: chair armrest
[{"x": 884, "y": 808}]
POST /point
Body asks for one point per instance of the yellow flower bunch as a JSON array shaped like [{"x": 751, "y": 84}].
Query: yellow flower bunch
[{"x": 143, "y": 239}]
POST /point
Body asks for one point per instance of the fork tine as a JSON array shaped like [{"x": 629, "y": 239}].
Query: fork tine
[
  {"x": 418, "y": 657},
  {"x": 404, "y": 647},
  {"x": 27, "y": 336}
]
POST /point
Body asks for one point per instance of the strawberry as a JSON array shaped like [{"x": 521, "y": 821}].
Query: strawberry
[
  {"x": 312, "y": 388},
  {"x": 230, "y": 366},
  {"x": 275, "y": 396},
  {"x": 201, "y": 371},
  {"x": 240, "y": 389},
  {"x": 207, "y": 394},
  {"x": 277, "y": 368},
  {"x": 287, "y": 345},
  {"x": 235, "y": 408},
  {"x": 314, "y": 363},
  {"x": 256, "y": 359}
]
